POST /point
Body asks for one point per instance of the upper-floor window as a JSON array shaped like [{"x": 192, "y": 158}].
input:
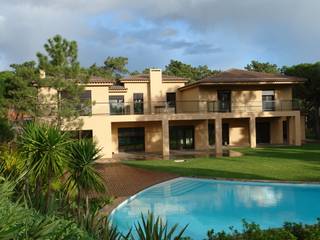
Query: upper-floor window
[
  {"x": 268, "y": 100},
  {"x": 116, "y": 104},
  {"x": 138, "y": 103},
  {"x": 224, "y": 100},
  {"x": 171, "y": 99},
  {"x": 84, "y": 107}
]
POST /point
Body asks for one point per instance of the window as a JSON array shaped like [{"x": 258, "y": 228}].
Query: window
[
  {"x": 138, "y": 103},
  {"x": 268, "y": 100},
  {"x": 211, "y": 134},
  {"x": 224, "y": 100},
  {"x": 116, "y": 105},
  {"x": 131, "y": 139},
  {"x": 81, "y": 134},
  {"x": 84, "y": 108},
  {"x": 171, "y": 99}
]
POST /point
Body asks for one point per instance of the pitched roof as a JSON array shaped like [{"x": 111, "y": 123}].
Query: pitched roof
[
  {"x": 96, "y": 79},
  {"x": 239, "y": 76},
  {"x": 117, "y": 87},
  {"x": 146, "y": 77}
]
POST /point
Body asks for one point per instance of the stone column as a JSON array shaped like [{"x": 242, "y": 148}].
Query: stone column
[
  {"x": 297, "y": 130},
  {"x": 253, "y": 135},
  {"x": 276, "y": 130},
  {"x": 165, "y": 137},
  {"x": 218, "y": 135},
  {"x": 201, "y": 135},
  {"x": 291, "y": 132},
  {"x": 102, "y": 134}
]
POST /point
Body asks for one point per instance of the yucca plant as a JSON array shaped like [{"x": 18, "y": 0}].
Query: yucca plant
[
  {"x": 45, "y": 149},
  {"x": 151, "y": 228},
  {"x": 101, "y": 228},
  {"x": 11, "y": 163},
  {"x": 83, "y": 175},
  {"x": 19, "y": 222}
]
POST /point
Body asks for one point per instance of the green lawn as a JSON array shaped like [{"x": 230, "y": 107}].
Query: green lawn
[{"x": 269, "y": 163}]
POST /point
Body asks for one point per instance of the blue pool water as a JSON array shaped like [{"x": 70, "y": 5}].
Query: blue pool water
[{"x": 207, "y": 204}]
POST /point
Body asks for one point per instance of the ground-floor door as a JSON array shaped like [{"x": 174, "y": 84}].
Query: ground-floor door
[
  {"x": 181, "y": 137},
  {"x": 285, "y": 131},
  {"x": 263, "y": 132},
  {"x": 131, "y": 139},
  {"x": 225, "y": 134}
]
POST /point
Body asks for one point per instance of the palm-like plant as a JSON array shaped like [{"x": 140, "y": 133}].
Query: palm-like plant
[
  {"x": 83, "y": 175},
  {"x": 45, "y": 149},
  {"x": 154, "y": 228}
]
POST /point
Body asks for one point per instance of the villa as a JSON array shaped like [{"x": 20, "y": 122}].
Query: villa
[{"x": 156, "y": 113}]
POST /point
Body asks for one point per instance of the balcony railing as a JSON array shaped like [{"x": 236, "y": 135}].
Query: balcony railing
[{"x": 160, "y": 107}]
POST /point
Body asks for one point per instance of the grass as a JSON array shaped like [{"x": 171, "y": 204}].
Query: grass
[{"x": 288, "y": 163}]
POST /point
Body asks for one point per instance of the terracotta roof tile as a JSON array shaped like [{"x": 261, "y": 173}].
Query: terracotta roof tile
[
  {"x": 239, "y": 75},
  {"x": 117, "y": 87},
  {"x": 96, "y": 79}
]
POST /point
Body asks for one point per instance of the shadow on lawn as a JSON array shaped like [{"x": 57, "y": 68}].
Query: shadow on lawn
[
  {"x": 201, "y": 172},
  {"x": 305, "y": 153}
]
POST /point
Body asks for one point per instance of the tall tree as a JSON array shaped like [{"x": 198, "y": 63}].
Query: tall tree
[
  {"x": 180, "y": 69},
  {"x": 98, "y": 71},
  {"x": 63, "y": 73},
  {"x": 117, "y": 66},
  {"x": 262, "y": 67},
  {"x": 20, "y": 90},
  {"x": 309, "y": 92}
]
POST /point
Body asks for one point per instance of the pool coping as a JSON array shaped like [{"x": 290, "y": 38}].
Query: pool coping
[{"x": 231, "y": 180}]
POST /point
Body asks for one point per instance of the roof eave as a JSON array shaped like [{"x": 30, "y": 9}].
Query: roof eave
[{"x": 239, "y": 83}]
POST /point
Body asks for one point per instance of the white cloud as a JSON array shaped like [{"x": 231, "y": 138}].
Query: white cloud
[{"x": 220, "y": 33}]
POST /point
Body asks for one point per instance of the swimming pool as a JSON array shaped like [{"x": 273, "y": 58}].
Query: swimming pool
[{"x": 207, "y": 204}]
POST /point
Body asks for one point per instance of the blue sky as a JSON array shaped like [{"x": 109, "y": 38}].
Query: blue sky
[{"x": 219, "y": 33}]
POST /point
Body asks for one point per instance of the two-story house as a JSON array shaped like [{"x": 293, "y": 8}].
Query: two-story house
[{"x": 156, "y": 113}]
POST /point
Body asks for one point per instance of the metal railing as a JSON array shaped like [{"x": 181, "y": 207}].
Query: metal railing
[{"x": 161, "y": 107}]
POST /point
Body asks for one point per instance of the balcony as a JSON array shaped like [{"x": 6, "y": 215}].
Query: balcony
[{"x": 162, "y": 107}]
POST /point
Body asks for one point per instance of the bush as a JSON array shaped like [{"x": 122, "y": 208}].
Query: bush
[
  {"x": 18, "y": 222},
  {"x": 6, "y": 131},
  {"x": 252, "y": 231}
]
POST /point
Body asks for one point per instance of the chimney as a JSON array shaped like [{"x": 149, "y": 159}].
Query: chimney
[
  {"x": 42, "y": 74},
  {"x": 155, "y": 76}
]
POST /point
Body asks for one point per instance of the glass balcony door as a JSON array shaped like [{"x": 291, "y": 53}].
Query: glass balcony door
[
  {"x": 138, "y": 103},
  {"x": 268, "y": 100},
  {"x": 116, "y": 105},
  {"x": 181, "y": 137},
  {"x": 224, "y": 100}
]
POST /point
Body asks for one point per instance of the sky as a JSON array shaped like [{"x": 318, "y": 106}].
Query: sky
[{"x": 219, "y": 33}]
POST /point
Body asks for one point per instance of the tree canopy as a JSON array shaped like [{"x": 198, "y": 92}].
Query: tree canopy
[
  {"x": 180, "y": 69},
  {"x": 19, "y": 94},
  {"x": 262, "y": 67},
  {"x": 309, "y": 92},
  {"x": 114, "y": 68},
  {"x": 63, "y": 73}
]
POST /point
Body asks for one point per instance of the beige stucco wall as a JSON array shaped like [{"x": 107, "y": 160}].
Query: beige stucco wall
[
  {"x": 99, "y": 97},
  {"x": 238, "y": 131},
  {"x": 189, "y": 101},
  {"x": 276, "y": 130},
  {"x": 246, "y": 100}
]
